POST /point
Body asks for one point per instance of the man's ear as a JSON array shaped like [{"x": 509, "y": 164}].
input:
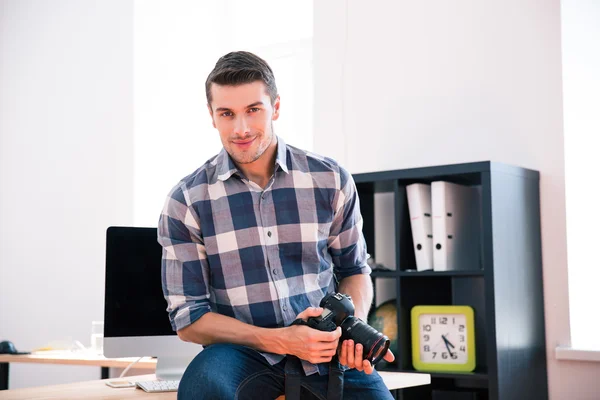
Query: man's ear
[
  {"x": 276, "y": 108},
  {"x": 212, "y": 117}
]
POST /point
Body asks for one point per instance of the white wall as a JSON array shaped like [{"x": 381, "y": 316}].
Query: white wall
[
  {"x": 176, "y": 45},
  {"x": 403, "y": 84},
  {"x": 66, "y": 169}
]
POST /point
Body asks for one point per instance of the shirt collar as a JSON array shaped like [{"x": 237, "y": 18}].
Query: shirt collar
[
  {"x": 281, "y": 158},
  {"x": 226, "y": 167}
]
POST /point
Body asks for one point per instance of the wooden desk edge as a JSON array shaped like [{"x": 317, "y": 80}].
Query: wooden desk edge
[{"x": 96, "y": 389}]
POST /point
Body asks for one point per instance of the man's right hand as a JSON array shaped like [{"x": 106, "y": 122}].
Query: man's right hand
[{"x": 311, "y": 344}]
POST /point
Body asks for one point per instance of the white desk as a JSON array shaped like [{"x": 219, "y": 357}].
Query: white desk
[{"x": 99, "y": 390}]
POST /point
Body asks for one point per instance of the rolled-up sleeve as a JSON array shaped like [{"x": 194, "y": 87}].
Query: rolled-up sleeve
[
  {"x": 185, "y": 273},
  {"x": 346, "y": 243}
]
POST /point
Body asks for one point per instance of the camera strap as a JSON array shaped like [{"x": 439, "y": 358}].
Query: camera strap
[
  {"x": 294, "y": 373},
  {"x": 335, "y": 385},
  {"x": 293, "y": 377}
]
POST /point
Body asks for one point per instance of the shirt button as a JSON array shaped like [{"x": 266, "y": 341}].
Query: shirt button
[
  {"x": 284, "y": 308},
  {"x": 269, "y": 234},
  {"x": 275, "y": 271}
]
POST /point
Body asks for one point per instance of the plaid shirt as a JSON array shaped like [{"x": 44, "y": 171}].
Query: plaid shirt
[{"x": 261, "y": 256}]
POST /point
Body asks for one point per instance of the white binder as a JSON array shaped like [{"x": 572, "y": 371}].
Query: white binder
[
  {"x": 419, "y": 208},
  {"x": 456, "y": 211}
]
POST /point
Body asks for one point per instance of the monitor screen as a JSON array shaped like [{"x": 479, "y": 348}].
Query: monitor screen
[{"x": 134, "y": 304}]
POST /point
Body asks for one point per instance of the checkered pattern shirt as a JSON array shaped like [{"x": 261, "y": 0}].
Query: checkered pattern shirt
[{"x": 261, "y": 256}]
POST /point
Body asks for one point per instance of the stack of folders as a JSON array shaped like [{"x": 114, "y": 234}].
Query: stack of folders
[
  {"x": 456, "y": 226},
  {"x": 446, "y": 225},
  {"x": 419, "y": 208}
]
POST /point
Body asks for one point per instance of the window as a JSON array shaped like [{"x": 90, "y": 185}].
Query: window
[
  {"x": 176, "y": 45},
  {"x": 581, "y": 96}
]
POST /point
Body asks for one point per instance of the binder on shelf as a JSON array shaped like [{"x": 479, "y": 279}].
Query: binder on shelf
[
  {"x": 419, "y": 208},
  {"x": 456, "y": 226}
]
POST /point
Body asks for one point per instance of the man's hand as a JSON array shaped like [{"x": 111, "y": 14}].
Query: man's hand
[
  {"x": 311, "y": 344},
  {"x": 352, "y": 356}
]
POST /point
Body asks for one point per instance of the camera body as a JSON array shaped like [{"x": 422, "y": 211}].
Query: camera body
[{"x": 338, "y": 310}]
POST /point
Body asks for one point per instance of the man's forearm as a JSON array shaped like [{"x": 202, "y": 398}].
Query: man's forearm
[
  {"x": 214, "y": 328},
  {"x": 360, "y": 288}
]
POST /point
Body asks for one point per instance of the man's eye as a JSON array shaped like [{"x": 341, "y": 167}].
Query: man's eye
[
  {"x": 227, "y": 114},
  {"x": 254, "y": 109}
]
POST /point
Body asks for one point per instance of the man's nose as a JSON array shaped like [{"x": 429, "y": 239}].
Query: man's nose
[{"x": 241, "y": 126}]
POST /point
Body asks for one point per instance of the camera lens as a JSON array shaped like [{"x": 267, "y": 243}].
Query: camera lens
[{"x": 375, "y": 343}]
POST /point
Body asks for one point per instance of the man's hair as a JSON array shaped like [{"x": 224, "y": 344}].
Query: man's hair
[{"x": 240, "y": 67}]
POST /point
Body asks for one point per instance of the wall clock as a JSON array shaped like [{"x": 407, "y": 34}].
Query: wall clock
[{"x": 443, "y": 338}]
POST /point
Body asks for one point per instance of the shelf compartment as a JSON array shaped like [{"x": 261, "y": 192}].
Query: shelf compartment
[
  {"x": 386, "y": 305},
  {"x": 442, "y": 290},
  {"x": 377, "y": 207},
  {"x": 406, "y": 259}
]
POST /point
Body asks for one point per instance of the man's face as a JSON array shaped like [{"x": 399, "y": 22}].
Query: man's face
[{"x": 244, "y": 117}]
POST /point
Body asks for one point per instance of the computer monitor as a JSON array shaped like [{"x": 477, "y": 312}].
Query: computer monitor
[{"x": 136, "y": 323}]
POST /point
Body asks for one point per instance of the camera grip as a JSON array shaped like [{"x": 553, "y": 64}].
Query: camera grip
[{"x": 317, "y": 323}]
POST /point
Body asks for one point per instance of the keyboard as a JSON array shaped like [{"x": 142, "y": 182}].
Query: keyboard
[{"x": 158, "y": 386}]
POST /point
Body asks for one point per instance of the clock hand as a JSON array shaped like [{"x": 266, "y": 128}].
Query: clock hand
[{"x": 446, "y": 343}]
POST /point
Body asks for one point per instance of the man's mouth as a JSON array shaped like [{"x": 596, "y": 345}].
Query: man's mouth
[{"x": 244, "y": 143}]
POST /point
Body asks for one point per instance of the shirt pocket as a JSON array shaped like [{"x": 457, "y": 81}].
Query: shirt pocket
[{"x": 305, "y": 244}]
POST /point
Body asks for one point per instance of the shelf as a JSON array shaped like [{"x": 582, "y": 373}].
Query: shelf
[
  {"x": 385, "y": 274},
  {"x": 475, "y": 272},
  {"x": 460, "y": 375},
  {"x": 506, "y": 343}
]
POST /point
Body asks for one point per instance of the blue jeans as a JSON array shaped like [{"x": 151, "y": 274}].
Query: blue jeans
[{"x": 228, "y": 371}]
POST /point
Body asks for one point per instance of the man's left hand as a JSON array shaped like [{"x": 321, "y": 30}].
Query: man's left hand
[{"x": 352, "y": 356}]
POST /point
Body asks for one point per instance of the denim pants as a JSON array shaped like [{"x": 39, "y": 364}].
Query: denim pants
[{"x": 228, "y": 372}]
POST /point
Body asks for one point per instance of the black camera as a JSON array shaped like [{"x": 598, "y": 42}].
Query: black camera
[{"x": 338, "y": 310}]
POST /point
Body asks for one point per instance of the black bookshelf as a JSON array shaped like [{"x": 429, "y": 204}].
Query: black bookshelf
[{"x": 505, "y": 292}]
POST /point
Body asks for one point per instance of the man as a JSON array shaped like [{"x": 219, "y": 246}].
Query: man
[{"x": 249, "y": 240}]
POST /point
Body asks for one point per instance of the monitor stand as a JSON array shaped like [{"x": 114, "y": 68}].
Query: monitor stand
[{"x": 172, "y": 368}]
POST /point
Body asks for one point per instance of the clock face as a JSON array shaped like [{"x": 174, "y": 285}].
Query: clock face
[{"x": 443, "y": 338}]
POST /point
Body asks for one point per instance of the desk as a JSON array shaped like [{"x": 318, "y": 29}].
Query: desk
[
  {"x": 70, "y": 358},
  {"x": 99, "y": 390}
]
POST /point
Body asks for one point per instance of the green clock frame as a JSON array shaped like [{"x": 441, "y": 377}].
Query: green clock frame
[{"x": 420, "y": 365}]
